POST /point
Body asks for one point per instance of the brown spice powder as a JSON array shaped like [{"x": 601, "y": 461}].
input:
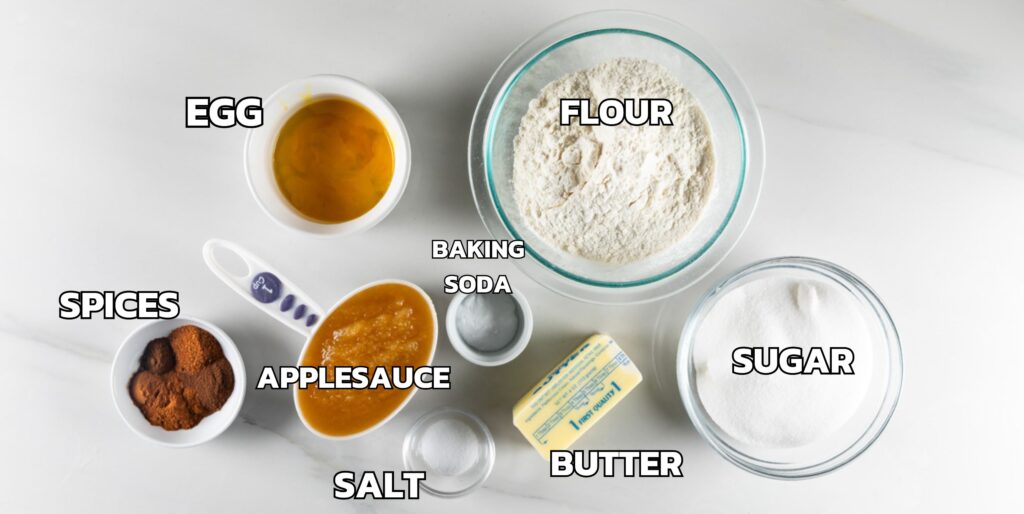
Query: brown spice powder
[{"x": 182, "y": 379}]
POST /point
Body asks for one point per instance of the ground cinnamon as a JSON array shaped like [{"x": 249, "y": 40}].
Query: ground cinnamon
[{"x": 182, "y": 379}]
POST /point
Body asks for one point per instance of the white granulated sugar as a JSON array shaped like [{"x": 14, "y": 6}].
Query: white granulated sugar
[
  {"x": 780, "y": 410},
  {"x": 614, "y": 194}
]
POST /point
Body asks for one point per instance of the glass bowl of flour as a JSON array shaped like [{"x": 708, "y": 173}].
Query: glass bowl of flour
[
  {"x": 790, "y": 367},
  {"x": 624, "y": 213}
]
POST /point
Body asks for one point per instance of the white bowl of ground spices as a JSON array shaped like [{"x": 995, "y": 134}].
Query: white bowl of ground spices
[
  {"x": 178, "y": 382},
  {"x": 631, "y": 208}
]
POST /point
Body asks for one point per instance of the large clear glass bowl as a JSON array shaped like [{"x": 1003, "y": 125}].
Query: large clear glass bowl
[
  {"x": 582, "y": 42},
  {"x": 863, "y": 427}
]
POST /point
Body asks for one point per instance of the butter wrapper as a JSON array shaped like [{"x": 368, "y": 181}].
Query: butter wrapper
[{"x": 575, "y": 395}]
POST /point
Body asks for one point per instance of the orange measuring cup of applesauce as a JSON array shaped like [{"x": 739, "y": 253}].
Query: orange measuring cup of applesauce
[{"x": 384, "y": 323}]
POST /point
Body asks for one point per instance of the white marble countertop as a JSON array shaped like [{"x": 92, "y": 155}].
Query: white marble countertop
[{"x": 895, "y": 134}]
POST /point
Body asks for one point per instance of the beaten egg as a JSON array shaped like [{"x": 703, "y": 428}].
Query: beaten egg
[{"x": 333, "y": 160}]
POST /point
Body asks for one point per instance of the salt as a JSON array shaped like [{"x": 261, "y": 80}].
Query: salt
[
  {"x": 779, "y": 410},
  {"x": 488, "y": 322},
  {"x": 450, "y": 447}
]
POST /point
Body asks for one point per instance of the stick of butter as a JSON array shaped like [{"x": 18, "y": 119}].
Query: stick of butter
[{"x": 592, "y": 380}]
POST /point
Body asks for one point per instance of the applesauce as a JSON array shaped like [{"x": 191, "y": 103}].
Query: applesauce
[{"x": 385, "y": 325}]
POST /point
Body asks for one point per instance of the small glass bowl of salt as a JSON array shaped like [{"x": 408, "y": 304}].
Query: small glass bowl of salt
[{"x": 455, "y": 449}]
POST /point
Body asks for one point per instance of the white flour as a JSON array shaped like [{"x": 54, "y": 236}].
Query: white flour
[{"x": 613, "y": 194}]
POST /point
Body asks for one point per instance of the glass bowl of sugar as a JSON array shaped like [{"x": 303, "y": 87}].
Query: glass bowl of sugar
[
  {"x": 790, "y": 367},
  {"x": 636, "y": 225}
]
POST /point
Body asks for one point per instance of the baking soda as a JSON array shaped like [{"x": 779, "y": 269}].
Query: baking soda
[
  {"x": 488, "y": 322},
  {"x": 781, "y": 410}
]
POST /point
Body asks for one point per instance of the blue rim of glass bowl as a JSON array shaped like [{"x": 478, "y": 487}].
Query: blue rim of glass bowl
[{"x": 572, "y": 276}]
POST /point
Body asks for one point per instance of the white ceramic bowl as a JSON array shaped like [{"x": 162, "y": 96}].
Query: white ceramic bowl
[
  {"x": 126, "y": 363},
  {"x": 495, "y": 358},
  {"x": 260, "y": 143}
]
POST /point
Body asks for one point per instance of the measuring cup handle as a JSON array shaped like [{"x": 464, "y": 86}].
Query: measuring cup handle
[{"x": 265, "y": 288}]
